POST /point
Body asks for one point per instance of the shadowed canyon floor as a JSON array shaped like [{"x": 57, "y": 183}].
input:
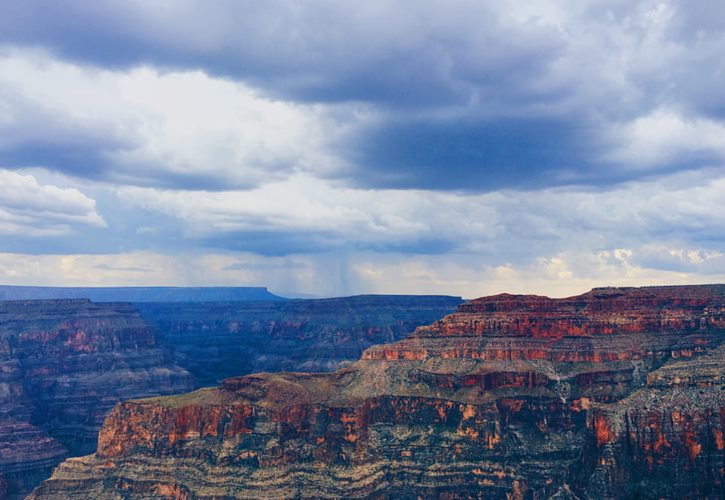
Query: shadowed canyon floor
[
  {"x": 64, "y": 364},
  {"x": 617, "y": 393}
]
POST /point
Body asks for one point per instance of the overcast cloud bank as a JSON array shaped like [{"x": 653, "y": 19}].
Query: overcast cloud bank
[{"x": 451, "y": 147}]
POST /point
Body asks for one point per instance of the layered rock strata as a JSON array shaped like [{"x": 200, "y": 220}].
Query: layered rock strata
[
  {"x": 65, "y": 363},
  {"x": 63, "y": 366},
  {"x": 218, "y": 340},
  {"x": 617, "y": 393}
]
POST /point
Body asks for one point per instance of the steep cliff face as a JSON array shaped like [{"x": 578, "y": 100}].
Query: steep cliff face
[
  {"x": 665, "y": 439},
  {"x": 617, "y": 393},
  {"x": 27, "y": 456},
  {"x": 63, "y": 366},
  {"x": 218, "y": 340}
]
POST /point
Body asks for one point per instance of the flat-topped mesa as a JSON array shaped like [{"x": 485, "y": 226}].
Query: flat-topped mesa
[
  {"x": 137, "y": 293},
  {"x": 598, "y": 312},
  {"x": 503, "y": 416}
]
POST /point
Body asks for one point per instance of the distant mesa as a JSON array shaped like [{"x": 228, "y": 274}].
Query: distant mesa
[{"x": 140, "y": 294}]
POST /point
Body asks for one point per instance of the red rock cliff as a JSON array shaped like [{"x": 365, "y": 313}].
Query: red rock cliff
[{"x": 617, "y": 393}]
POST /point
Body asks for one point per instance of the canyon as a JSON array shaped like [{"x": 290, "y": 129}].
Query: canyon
[
  {"x": 217, "y": 340},
  {"x": 615, "y": 393},
  {"x": 65, "y": 363}
]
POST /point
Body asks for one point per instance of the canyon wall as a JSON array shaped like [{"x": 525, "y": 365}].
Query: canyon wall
[
  {"x": 617, "y": 393},
  {"x": 64, "y": 364},
  {"x": 217, "y": 340}
]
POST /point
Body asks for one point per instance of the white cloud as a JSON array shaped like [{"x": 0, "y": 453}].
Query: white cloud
[
  {"x": 559, "y": 275},
  {"x": 135, "y": 268},
  {"x": 150, "y": 127},
  {"x": 520, "y": 224},
  {"x": 300, "y": 274},
  {"x": 333, "y": 274},
  {"x": 241, "y": 165},
  {"x": 28, "y": 208},
  {"x": 639, "y": 77},
  {"x": 663, "y": 137}
]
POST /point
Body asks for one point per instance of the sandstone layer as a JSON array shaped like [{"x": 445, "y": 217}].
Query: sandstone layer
[
  {"x": 64, "y": 364},
  {"x": 217, "y": 340},
  {"x": 617, "y": 393}
]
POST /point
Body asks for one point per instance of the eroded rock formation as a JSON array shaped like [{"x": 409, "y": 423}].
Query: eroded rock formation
[
  {"x": 617, "y": 393},
  {"x": 217, "y": 340},
  {"x": 63, "y": 366}
]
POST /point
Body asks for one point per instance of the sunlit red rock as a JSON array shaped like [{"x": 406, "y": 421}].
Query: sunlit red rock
[{"x": 617, "y": 393}]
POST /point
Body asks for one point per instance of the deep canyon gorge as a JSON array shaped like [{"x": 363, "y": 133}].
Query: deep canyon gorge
[
  {"x": 616, "y": 393},
  {"x": 65, "y": 363}
]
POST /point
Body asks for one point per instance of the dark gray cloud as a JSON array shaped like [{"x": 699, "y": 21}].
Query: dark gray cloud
[
  {"x": 468, "y": 95},
  {"x": 433, "y": 54},
  {"x": 281, "y": 242},
  {"x": 320, "y": 50},
  {"x": 562, "y": 138},
  {"x": 478, "y": 156},
  {"x": 83, "y": 155},
  {"x": 677, "y": 211}
]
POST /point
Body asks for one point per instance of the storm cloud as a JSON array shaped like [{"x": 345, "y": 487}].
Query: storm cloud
[{"x": 506, "y": 138}]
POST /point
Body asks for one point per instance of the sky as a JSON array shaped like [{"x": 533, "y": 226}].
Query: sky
[{"x": 326, "y": 147}]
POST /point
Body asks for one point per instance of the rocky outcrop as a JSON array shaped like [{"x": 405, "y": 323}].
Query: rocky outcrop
[
  {"x": 217, "y": 340},
  {"x": 63, "y": 366},
  {"x": 27, "y": 453},
  {"x": 27, "y": 456},
  {"x": 665, "y": 440},
  {"x": 617, "y": 393}
]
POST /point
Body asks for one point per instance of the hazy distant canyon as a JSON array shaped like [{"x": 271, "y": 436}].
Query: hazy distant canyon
[{"x": 64, "y": 363}]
